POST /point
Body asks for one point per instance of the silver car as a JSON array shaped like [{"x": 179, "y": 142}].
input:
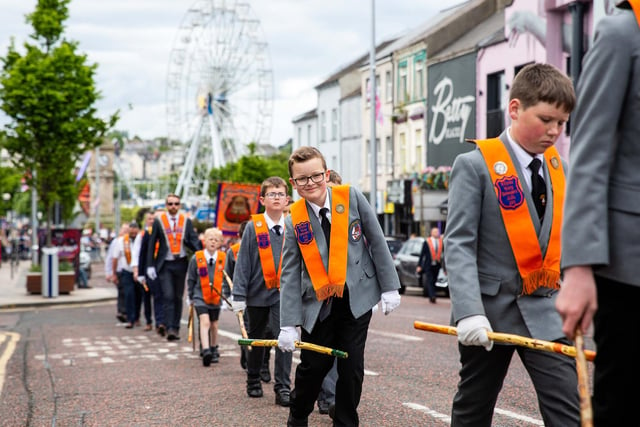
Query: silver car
[{"x": 406, "y": 261}]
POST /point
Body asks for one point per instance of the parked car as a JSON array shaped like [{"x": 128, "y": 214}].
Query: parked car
[
  {"x": 406, "y": 261},
  {"x": 394, "y": 244}
]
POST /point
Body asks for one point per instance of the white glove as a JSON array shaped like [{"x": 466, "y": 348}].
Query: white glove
[
  {"x": 390, "y": 301},
  {"x": 142, "y": 279},
  {"x": 151, "y": 273},
  {"x": 472, "y": 330},
  {"x": 287, "y": 338},
  {"x": 239, "y": 306},
  {"x": 188, "y": 301},
  {"x": 224, "y": 306},
  {"x": 374, "y": 308}
]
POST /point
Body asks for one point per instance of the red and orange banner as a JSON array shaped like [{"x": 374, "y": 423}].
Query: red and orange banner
[{"x": 236, "y": 203}]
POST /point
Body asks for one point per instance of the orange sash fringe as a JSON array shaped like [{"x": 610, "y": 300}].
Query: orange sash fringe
[
  {"x": 535, "y": 271},
  {"x": 210, "y": 296},
  {"x": 175, "y": 239},
  {"x": 271, "y": 276},
  {"x": 331, "y": 284}
]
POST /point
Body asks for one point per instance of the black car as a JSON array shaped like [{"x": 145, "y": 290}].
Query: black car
[{"x": 406, "y": 261}]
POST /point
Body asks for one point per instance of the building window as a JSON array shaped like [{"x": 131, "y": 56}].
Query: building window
[
  {"x": 389, "y": 86},
  {"x": 495, "y": 107},
  {"x": 323, "y": 127},
  {"x": 403, "y": 96},
  {"x": 419, "y": 151},
  {"x": 308, "y": 134},
  {"x": 334, "y": 124},
  {"x": 418, "y": 83},
  {"x": 299, "y": 135},
  {"x": 367, "y": 167},
  {"x": 403, "y": 152},
  {"x": 389, "y": 159},
  {"x": 378, "y": 156}
]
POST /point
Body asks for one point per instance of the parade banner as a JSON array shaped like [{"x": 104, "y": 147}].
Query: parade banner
[{"x": 236, "y": 203}]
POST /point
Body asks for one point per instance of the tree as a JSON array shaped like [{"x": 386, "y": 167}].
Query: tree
[{"x": 48, "y": 93}]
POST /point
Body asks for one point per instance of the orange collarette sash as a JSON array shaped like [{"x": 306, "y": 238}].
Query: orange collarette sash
[
  {"x": 435, "y": 256},
  {"x": 234, "y": 249},
  {"x": 635, "y": 6},
  {"x": 155, "y": 251},
  {"x": 210, "y": 296},
  {"x": 175, "y": 239},
  {"x": 331, "y": 284},
  {"x": 126, "y": 243},
  {"x": 535, "y": 271},
  {"x": 271, "y": 276}
]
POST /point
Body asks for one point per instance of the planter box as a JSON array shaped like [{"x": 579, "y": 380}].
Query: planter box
[{"x": 66, "y": 282}]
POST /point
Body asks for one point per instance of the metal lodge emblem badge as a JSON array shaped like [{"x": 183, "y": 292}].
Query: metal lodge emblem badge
[
  {"x": 554, "y": 162},
  {"x": 340, "y": 208},
  {"x": 500, "y": 168},
  {"x": 259, "y": 224}
]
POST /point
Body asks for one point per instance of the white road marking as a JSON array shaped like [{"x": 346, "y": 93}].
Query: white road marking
[
  {"x": 447, "y": 419},
  {"x": 437, "y": 415},
  {"x": 6, "y": 354},
  {"x": 402, "y": 337}
]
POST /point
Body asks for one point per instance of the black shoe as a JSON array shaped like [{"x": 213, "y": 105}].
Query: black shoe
[
  {"x": 265, "y": 376},
  {"x": 254, "y": 388},
  {"x": 215, "y": 355},
  {"x": 206, "y": 357},
  {"x": 121, "y": 317},
  {"x": 161, "y": 330},
  {"x": 323, "y": 407},
  {"x": 172, "y": 335},
  {"x": 332, "y": 411},
  {"x": 297, "y": 422},
  {"x": 129, "y": 325},
  {"x": 283, "y": 398},
  {"x": 433, "y": 300}
]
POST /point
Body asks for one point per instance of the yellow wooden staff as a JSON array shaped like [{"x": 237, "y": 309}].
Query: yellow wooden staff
[
  {"x": 190, "y": 328},
  {"x": 239, "y": 314},
  {"x": 586, "y": 414},
  {"x": 533, "y": 343},
  {"x": 299, "y": 344}
]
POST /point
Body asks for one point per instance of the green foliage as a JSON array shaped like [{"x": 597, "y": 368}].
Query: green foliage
[
  {"x": 49, "y": 95},
  {"x": 65, "y": 266},
  {"x": 35, "y": 268},
  {"x": 252, "y": 168}
]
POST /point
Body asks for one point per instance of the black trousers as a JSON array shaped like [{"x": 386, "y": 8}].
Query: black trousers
[
  {"x": 340, "y": 330},
  {"x": 172, "y": 280},
  {"x": 617, "y": 371}
]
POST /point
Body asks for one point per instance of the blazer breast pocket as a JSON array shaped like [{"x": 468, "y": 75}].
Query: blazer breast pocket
[{"x": 489, "y": 285}]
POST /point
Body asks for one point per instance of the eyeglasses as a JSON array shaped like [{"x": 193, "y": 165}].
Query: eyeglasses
[
  {"x": 173, "y": 203},
  {"x": 276, "y": 195},
  {"x": 304, "y": 180}
]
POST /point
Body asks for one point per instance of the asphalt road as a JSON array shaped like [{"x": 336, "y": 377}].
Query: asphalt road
[{"x": 77, "y": 366}]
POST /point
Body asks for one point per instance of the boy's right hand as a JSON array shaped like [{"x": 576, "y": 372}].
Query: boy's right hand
[
  {"x": 473, "y": 330},
  {"x": 151, "y": 273},
  {"x": 287, "y": 338},
  {"x": 239, "y": 306}
]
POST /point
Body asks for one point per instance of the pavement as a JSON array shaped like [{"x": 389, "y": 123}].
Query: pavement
[{"x": 13, "y": 289}]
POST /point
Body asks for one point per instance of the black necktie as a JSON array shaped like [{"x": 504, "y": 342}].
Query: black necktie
[
  {"x": 276, "y": 228},
  {"x": 326, "y": 224},
  {"x": 325, "y": 310},
  {"x": 211, "y": 262},
  {"x": 538, "y": 187}
]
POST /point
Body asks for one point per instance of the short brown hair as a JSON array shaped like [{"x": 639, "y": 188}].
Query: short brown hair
[
  {"x": 272, "y": 181},
  {"x": 304, "y": 153},
  {"x": 335, "y": 178},
  {"x": 171, "y": 195},
  {"x": 543, "y": 83}
]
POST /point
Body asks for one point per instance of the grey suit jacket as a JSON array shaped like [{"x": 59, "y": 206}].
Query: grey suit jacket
[
  {"x": 602, "y": 216},
  {"x": 482, "y": 271},
  {"x": 370, "y": 268}
]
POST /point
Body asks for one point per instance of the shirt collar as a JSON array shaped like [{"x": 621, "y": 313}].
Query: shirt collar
[
  {"x": 209, "y": 256},
  {"x": 271, "y": 223},
  {"x": 327, "y": 204},
  {"x": 522, "y": 156}
]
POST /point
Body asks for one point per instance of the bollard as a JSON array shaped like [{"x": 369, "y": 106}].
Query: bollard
[{"x": 50, "y": 272}]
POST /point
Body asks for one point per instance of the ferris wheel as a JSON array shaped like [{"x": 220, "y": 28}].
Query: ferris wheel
[{"x": 219, "y": 89}]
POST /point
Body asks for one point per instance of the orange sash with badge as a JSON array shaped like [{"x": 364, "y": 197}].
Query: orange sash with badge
[
  {"x": 535, "y": 271},
  {"x": 271, "y": 276},
  {"x": 234, "y": 249},
  {"x": 175, "y": 239},
  {"x": 209, "y": 295},
  {"x": 435, "y": 256},
  {"x": 332, "y": 283}
]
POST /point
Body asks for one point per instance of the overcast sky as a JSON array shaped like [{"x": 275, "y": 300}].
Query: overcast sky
[{"x": 131, "y": 41}]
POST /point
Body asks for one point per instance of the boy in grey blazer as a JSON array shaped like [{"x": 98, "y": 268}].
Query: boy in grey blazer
[
  {"x": 601, "y": 228},
  {"x": 332, "y": 308},
  {"x": 503, "y": 254}
]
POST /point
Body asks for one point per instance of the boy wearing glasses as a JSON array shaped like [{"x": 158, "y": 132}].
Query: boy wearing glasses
[
  {"x": 256, "y": 285},
  {"x": 174, "y": 233},
  {"x": 336, "y": 228}
]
